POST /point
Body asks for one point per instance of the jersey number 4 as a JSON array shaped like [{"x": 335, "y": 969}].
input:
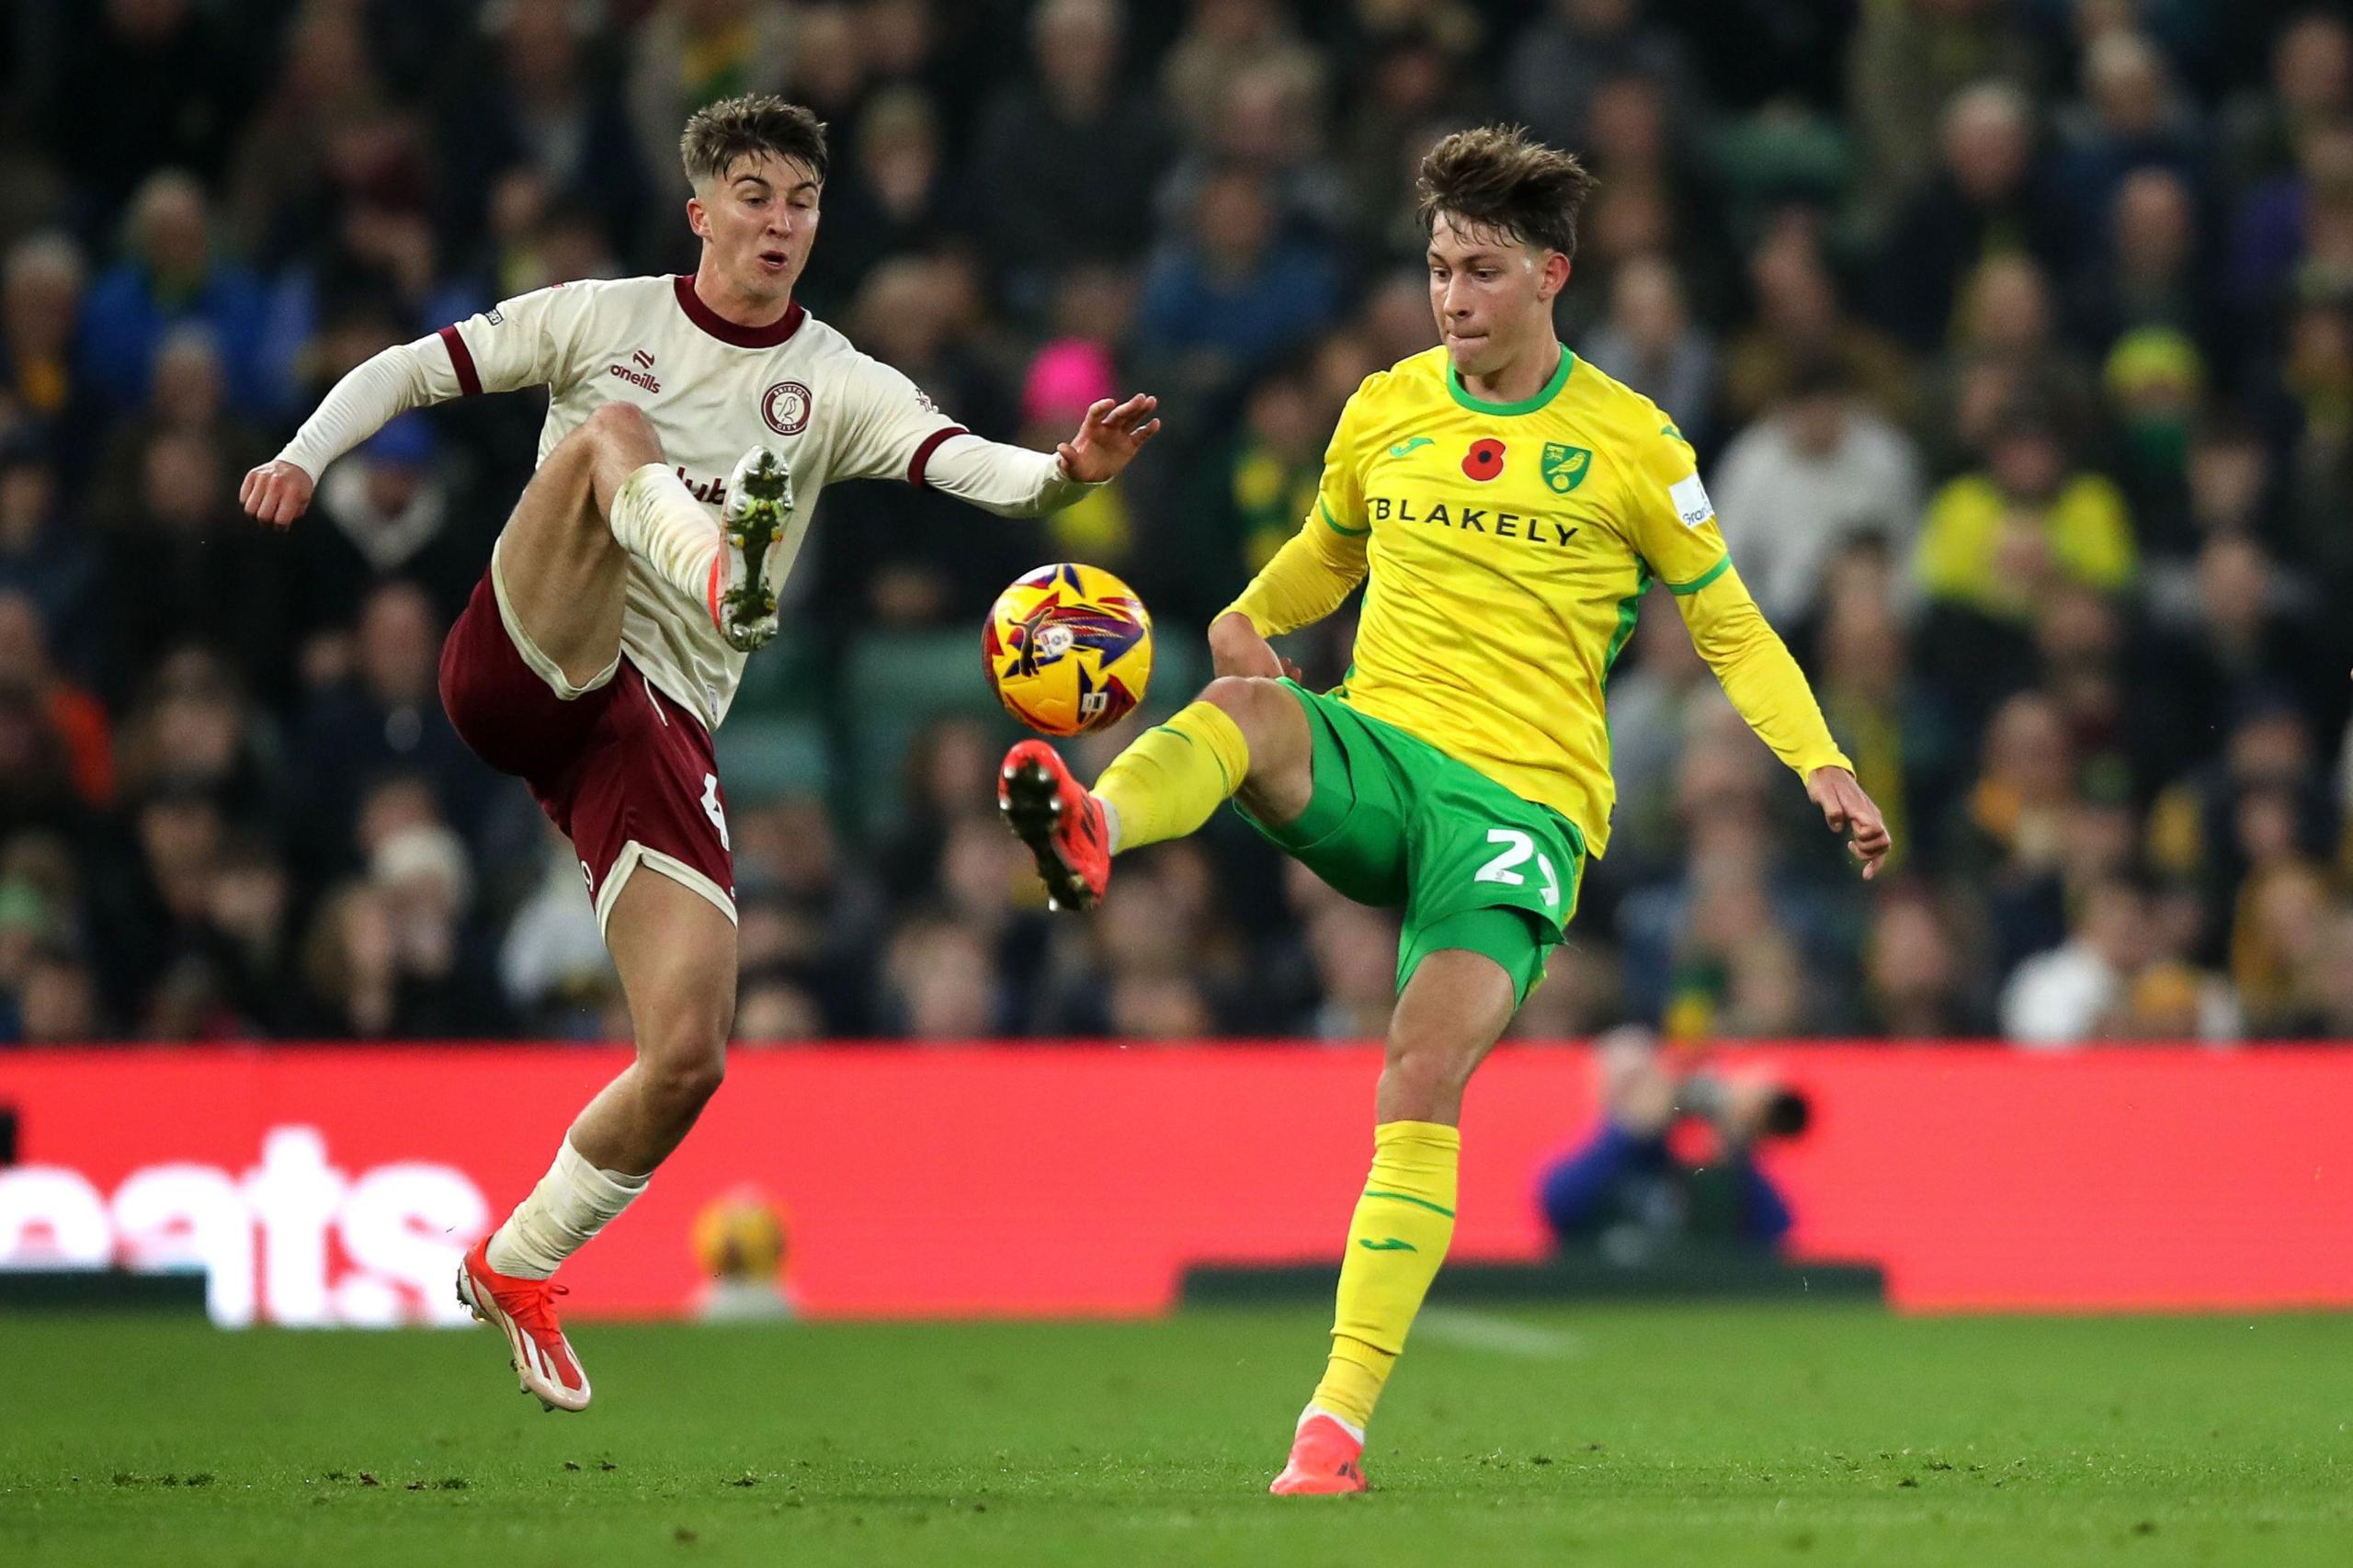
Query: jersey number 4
[{"x": 1518, "y": 847}]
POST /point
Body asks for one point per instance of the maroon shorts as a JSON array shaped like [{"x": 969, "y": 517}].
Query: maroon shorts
[{"x": 626, "y": 773}]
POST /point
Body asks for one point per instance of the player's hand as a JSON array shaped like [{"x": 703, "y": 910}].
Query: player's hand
[
  {"x": 1236, "y": 649},
  {"x": 1108, "y": 438},
  {"x": 1849, "y": 811},
  {"x": 276, "y": 492}
]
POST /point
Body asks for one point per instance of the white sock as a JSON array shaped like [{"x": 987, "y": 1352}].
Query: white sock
[
  {"x": 657, "y": 519},
  {"x": 1111, "y": 825},
  {"x": 572, "y": 1203},
  {"x": 1344, "y": 1425}
]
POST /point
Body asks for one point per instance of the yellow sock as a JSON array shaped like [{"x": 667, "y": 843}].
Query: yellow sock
[
  {"x": 1396, "y": 1242},
  {"x": 1169, "y": 782}
]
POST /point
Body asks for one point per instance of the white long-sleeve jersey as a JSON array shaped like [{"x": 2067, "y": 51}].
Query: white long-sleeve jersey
[{"x": 711, "y": 389}]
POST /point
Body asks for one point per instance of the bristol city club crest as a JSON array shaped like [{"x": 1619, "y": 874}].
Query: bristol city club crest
[{"x": 785, "y": 406}]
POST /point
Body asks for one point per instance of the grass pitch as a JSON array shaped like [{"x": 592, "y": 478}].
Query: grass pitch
[{"x": 1650, "y": 1436}]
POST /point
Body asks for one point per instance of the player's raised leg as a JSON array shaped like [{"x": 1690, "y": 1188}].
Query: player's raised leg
[
  {"x": 1244, "y": 735},
  {"x": 675, "y": 952},
  {"x": 606, "y": 492},
  {"x": 1450, "y": 1014}
]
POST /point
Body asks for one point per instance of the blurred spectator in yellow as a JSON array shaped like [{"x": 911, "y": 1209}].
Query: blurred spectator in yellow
[
  {"x": 1993, "y": 538},
  {"x": 1249, "y": 499}
]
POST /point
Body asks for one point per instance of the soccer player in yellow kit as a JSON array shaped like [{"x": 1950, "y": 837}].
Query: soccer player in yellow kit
[{"x": 1506, "y": 506}]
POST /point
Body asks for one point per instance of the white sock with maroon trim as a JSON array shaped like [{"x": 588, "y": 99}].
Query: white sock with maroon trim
[
  {"x": 572, "y": 1203},
  {"x": 657, "y": 519}
]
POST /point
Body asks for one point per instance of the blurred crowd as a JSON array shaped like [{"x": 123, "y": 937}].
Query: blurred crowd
[{"x": 2015, "y": 338}]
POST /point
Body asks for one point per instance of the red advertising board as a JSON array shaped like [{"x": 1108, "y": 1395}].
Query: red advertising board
[{"x": 337, "y": 1184}]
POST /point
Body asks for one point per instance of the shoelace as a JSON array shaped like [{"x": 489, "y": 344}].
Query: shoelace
[{"x": 534, "y": 1313}]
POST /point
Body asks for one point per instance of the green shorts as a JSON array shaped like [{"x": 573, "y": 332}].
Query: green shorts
[{"x": 1395, "y": 823}]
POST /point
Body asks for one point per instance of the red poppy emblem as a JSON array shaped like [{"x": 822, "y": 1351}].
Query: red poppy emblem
[{"x": 1485, "y": 461}]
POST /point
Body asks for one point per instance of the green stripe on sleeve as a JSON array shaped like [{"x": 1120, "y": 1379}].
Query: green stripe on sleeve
[
  {"x": 1703, "y": 580},
  {"x": 1332, "y": 523},
  {"x": 1409, "y": 1198}
]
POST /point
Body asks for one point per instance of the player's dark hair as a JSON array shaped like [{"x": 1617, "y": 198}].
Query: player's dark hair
[
  {"x": 719, "y": 134},
  {"x": 1499, "y": 180}
]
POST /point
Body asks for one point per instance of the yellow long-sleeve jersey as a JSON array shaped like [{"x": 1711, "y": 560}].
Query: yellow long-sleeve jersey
[{"x": 1507, "y": 546}]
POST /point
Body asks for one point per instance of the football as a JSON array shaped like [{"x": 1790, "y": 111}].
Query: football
[{"x": 1068, "y": 649}]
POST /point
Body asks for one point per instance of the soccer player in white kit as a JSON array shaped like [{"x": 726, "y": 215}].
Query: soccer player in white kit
[{"x": 691, "y": 423}]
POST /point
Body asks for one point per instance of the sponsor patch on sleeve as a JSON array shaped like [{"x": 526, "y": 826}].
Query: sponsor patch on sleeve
[{"x": 1692, "y": 503}]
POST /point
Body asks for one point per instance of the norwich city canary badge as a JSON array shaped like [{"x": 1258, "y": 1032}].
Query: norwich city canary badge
[{"x": 1564, "y": 467}]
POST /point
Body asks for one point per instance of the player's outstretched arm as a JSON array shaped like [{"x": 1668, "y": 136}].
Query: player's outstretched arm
[
  {"x": 1314, "y": 571},
  {"x": 1753, "y": 667},
  {"x": 364, "y": 402},
  {"x": 278, "y": 493},
  {"x": 1238, "y": 648},
  {"x": 1848, "y": 810},
  {"x": 1108, "y": 438},
  {"x": 517, "y": 344},
  {"x": 1674, "y": 529},
  {"x": 895, "y": 431},
  {"x": 1307, "y": 578}
]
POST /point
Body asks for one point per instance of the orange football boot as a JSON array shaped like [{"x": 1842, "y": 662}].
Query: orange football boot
[
  {"x": 1061, "y": 824},
  {"x": 524, "y": 1310}
]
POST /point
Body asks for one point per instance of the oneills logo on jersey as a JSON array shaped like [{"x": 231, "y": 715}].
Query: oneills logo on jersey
[
  {"x": 1535, "y": 530},
  {"x": 636, "y": 378}
]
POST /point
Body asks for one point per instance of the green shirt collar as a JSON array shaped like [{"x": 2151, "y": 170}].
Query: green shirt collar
[{"x": 1551, "y": 389}]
